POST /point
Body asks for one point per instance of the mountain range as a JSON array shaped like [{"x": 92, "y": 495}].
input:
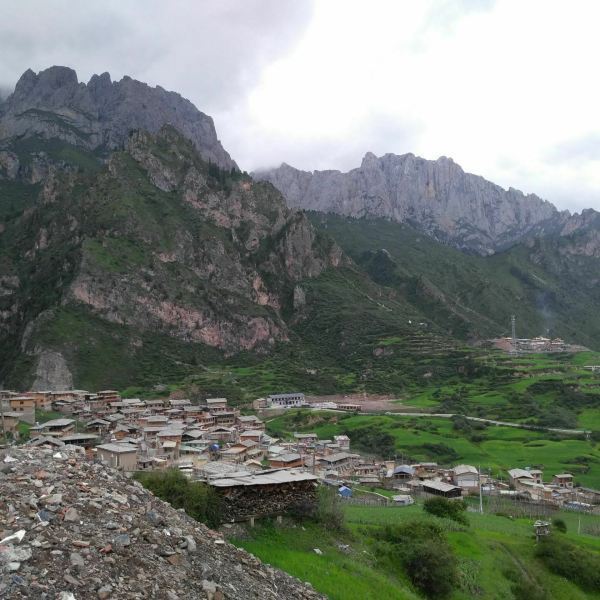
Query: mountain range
[
  {"x": 133, "y": 251},
  {"x": 436, "y": 197}
]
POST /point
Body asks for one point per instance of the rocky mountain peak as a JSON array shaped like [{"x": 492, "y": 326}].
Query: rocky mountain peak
[
  {"x": 54, "y": 104},
  {"x": 438, "y": 197},
  {"x": 369, "y": 160}
]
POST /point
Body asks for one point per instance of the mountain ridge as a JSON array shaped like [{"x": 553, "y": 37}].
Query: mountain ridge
[
  {"x": 142, "y": 262},
  {"x": 100, "y": 114},
  {"x": 436, "y": 196}
]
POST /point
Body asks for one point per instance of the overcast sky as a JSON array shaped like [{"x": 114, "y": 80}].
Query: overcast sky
[{"x": 509, "y": 89}]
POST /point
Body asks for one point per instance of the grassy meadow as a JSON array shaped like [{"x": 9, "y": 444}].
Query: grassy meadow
[{"x": 492, "y": 552}]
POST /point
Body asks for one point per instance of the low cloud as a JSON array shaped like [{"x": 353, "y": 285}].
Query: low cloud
[
  {"x": 210, "y": 52},
  {"x": 581, "y": 149}
]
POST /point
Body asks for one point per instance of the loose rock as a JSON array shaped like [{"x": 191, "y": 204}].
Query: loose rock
[{"x": 90, "y": 532}]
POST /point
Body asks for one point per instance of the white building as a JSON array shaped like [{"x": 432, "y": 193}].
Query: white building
[{"x": 293, "y": 400}]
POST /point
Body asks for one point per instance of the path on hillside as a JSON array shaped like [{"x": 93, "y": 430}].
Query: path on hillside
[{"x": 490, "y": 421}]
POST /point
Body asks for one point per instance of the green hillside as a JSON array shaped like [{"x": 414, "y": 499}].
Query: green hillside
[
  {"x": 495, "y": 556},
  {"x": 150, "y": 268},
  {"x": 550, "y": 284}
]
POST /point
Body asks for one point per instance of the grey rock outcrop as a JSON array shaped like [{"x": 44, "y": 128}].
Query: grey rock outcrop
[
  {"x": 52, "y": 372},
  {"x": 438, "y": 197},
  {"x": 101, "y": 114}
]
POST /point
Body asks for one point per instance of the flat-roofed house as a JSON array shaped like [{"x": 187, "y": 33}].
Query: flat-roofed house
[
  {"x": 179, "y": 402},
  {"x": 207, "y": 420},
  {"x": 85, "y": 440},
  {"x": 55, "y": 427},
  {"x": 156, "y": 420},
  {"x": 343, "y": 441},
  {"x": 120, "y": 431},
  {"x": 518, "y": 475},
  {"x": 216, "y": 404},
  {"x": 236, "y": 453},
  {"x": 225, "y": 417},
  {"x": 192, "y": 411},
  {"x": 254, "y": 450},
  {"x": 253, "y": 435},
  {"x": 222, "y": 433},
  {"x": 537, "y": 475},
  {"x": 155, "y": 406},
  {"x": 440, "y": 488},
  {"x": 250, "y": 422},
  {"x": 338, "y": 461},
  {"x": 403, "y": 472},
  {"x": 118, "y": 456},
  {"x": 305, "y": 439},
  {"x": 43, "y": 400},
  {"x": 170, "y": 435},
  {"x": 22, "y": 404},
  {"x": 108, "y": 395},
  {"x": 563, "y": 480},
  {"x": 286, "y": 461},
  {"x": 465, "y": 476},
  {"x": 11, "y": 420}
]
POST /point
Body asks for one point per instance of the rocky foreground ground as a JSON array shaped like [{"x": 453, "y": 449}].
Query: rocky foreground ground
[{"x": 74, "y": 529}]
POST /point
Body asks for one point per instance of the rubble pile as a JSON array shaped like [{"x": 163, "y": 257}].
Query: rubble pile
[{"x": 72, "y": 529}]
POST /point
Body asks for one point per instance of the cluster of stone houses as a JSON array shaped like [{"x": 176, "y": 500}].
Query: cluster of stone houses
[
  {"x": 214, "y": 442},
  {"x": 133, "y": 434},
  {"x": 560, "y": 490}
]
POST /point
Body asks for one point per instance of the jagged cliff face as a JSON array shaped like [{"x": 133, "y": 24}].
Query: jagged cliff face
[
  {"x": 154, "y": 241},
  {"x": 437, "y": 197},
  {"x": 100, "y": 115}
]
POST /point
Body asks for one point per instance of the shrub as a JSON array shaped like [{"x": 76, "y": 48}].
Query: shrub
[
  {"x": 432, "y": 568},
  {"x": 329, "y": 512},
  {"x": 558, "y": 416},
  {"x": 460, "y": 423},
  {"x": 198, "y": 500},
  {"x": 575, "y": 564},
  {"x": 559, "y": 525},
  {"x": 523, "y": 587},
  {"x": 442, "y": 452},
  {"x": 448, "y": 509},
  {"x": 423, "y": 552},
  {"x": 374, "y": 440}
]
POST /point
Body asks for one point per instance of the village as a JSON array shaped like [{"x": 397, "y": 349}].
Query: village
[{"x": 256, "y": 473}]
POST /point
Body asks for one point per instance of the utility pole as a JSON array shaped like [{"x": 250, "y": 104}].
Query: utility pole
[
  {"x": 480, "y": 491},
  {"x": 579, "y": 516}
]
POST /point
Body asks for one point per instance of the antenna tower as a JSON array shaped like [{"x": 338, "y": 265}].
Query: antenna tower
[{"x": 513, "y": 334}]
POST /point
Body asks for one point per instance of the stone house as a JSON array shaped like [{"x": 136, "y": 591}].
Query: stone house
[
  {"x": 118, "y": 456},
  {"x": 563, "y": 480},
  {"x": 286, "y": 461}
]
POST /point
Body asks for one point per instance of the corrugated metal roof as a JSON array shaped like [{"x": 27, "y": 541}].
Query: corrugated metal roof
[
  {"x": 462, "y": 469},
  {"x": 440, "y": 485},
  {"x": 517, "y": 473},
  {"x": 57, "y": 423},
  {"x": 284, "y": 476},
  {"x": 117, "y": 448}
]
